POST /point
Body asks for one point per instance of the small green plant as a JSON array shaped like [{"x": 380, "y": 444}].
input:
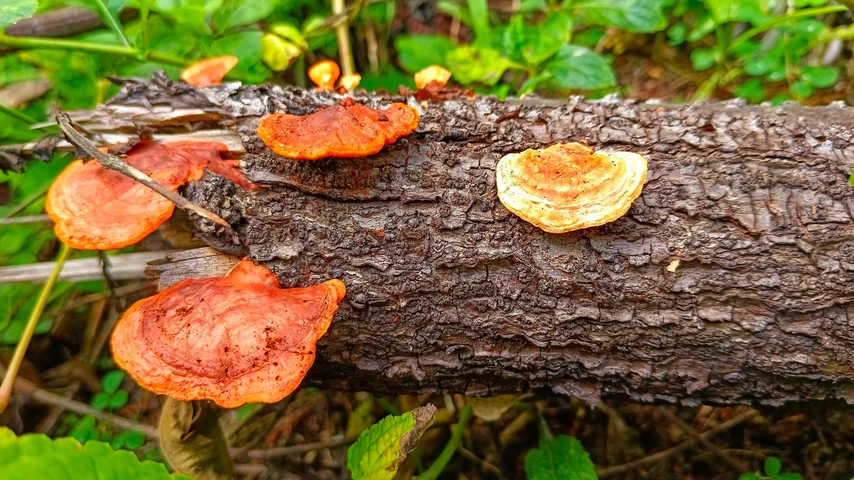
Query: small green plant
[
  {"x": 536, "y": 44},
  {"x": 771, "y": 469},
  {"x": 559, "y": 458}
]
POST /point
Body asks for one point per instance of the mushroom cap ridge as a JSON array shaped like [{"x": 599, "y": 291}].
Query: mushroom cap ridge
[{"x": 568, "y": 187}]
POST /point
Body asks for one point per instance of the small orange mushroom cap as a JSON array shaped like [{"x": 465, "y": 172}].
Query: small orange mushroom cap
[
  {"x": 433, "y": 73},
  {"x": 324, "y": 74},
  {"x": 99, "y": 209},
  {"x": 568, "y": 187},
  {"x": 234, "y": 340},
  {"x": 349, "y": 82},
  {"x": 348, "y": 130},
  {"x": 208, "y": 72}
]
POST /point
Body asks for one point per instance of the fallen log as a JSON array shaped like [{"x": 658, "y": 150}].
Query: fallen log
[{"x": 729, "y": 280}]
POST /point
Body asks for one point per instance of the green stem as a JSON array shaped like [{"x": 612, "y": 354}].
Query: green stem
[
  {"x": 442, "y": 460},
  {"x": 111, "y": 22},
  {"x": 17, "y": 114},
  {"x": 805, "y": 13},
  {"x": 24, "y": 342},
  {"x": 73, "y": 45}
]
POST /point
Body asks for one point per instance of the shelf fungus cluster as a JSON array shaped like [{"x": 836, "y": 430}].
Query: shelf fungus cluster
[
  {"x": 234, "y": 340},
  {"x": 568, "y": 186},
  {"x": 99, "y": 209},
  {"x": 348, "y": 130}
]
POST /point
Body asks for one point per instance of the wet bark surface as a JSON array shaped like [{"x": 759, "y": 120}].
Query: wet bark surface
[{"x": 447, "y": 291}]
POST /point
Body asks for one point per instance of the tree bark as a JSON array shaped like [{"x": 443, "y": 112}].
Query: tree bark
[{"x": 729, "y": 280}]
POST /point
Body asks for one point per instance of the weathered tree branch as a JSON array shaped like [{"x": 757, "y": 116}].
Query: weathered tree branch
[{"x": 448, "y": 291}]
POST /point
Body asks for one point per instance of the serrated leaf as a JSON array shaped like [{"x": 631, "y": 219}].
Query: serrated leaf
[
  {"x": 577, "y": 67},
  {"x": 381, "y": 449},
  {"x": 639, "y": 16},
  {"x": 112, "y": 381},
  {"x": 471, "y": 64},
  {"x": 192, "y": 440},
  {"x": 13, "y": 10},
  {"x": 491, "y": 408},
  {"x": 560, "y": 458},
  {"x": 420, "y": 51},
  {"x": 37, "y": 456}
]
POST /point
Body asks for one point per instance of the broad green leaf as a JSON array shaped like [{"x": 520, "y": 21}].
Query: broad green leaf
[
  {"x": 247, "y": 47},
  {"x": 772, "y": 466},
  {"x": 479, "y": 14},
  {"x": 471, "y": 64},
  {"x": 101, "y": 400},
  {"x": 820, "y": 77},
  {"x": 381, "y": 449},
  {"x": 420, "y": 51},
  {"x": 577, "y": 67},
  {"x": 289, "y": 33},
  {"x": 560, "y": 458},
  {"x": 235, "y": 13},
  {"x": 112, "y": 381},
  {"x": 801, "y": 89},
  {"x": 703, "y": 58},
  {"x": 533, "y": 44},
  {"x": 640, "y": 16},
  {"x": 278, "y": 53},
  {"x": 192, "y": 440},
  {"x": 750, "y": 476},
  {"x": 195, "y": 14},
  {"x": 119, "y": 400},
  {"x": 37, "y": 456},
  {"x": 13, "y": 10},
  {"x": 751, "y": 90}
]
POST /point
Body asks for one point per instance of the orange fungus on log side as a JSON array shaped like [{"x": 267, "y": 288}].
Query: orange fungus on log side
[
  {"x": 208, "y": 72},
  {"x": 348, "y": 130},
  {"x": 99, "y": 209},
  {"x": 234, "y": 340}
]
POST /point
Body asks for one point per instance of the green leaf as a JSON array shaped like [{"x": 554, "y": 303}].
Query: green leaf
[
  {"x": 84, "y": 430},
  {"x": 749, "y": 476},
  {"x": 192, "y": 440},
  {"x": 789, "y": 476},
  {"x": 420, "y": 51},
  {"x": 235, "y": 13},
  {"x": 112, "y": 381},
  {"x": 820, "y": 77},
  {"x": 639, "y": 16},
  {"x": 37, "y": 456},
  {"x": 577, "y": 67},
  {"x": 133, "y": 439},
  {"x": 101, "y": 400},
  {"x": 360, "y": 418},
  {"x": 676, "y": 34},
  {"x": 247, "y": 47},
  {"x": 194, "y": 14},
  {"x": 278, "y": 53},
  {"x": 801, "y": 89},
  {"x": 772, "y": 466},
  {"x": 289, "y": 33},
  {"x": 533, "y": 44},
  {"x": 751, "y": 90},
  {"x": 381, "y": 449},
  {"x": 119, "y": 400},
  {"x": 479, "y": 13},
  {"x": 703, "y": 58},
  {"x": 470, "y": 64},
  {"x": 560, "y": 458},
  {"x": 13, "y": 10}
]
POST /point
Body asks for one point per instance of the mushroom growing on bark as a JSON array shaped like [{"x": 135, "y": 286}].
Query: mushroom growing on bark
[
  {"x": 208, "y": 72},
  {"x": 324, "y": 73},
  {"x": 234, "y": 340},
  {"x": 99, "y": 209},
  {"x": 568, "y": 186},
  {"x": 348, "y": 130},
  {"x": 431, "y": 74}
]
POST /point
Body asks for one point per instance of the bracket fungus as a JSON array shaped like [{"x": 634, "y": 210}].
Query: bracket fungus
[
  {"x": 348, "y": 130},
  {"x": 209, "y": 72},
  {"x": 234, "y": 340},
  {"x": 568, "y": 187},
  {"x": 99, "y": 209}
]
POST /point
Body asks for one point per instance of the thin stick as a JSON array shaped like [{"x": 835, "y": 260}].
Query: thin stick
[
  {"x": 25, "y": 220},
  {"x": 447, "y": 453},
  {"x": 48, "y": 398},
  {"x": 24, "y": 342},
  {"x": 111, "y": 22},
  {"x": 664, "y": 454},
  {"x": 266, "y": 453},
  {"x": 77, "y": 46},
  {"x": 345, "y": 53},
  {"x": 707, "y": 443},
  {"x": 114, "y": 163},
  {"x": 17, "y": 114}
]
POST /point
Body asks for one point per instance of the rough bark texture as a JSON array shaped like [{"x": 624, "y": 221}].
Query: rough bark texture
[{"x": 448, "y": 291}]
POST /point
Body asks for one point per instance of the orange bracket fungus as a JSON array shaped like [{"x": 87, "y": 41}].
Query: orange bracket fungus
[
  {"x": 568, "y": 187},
  {"x": 323, "y": 74},
  {"x": 433, "y": 73},
  {"x": 99, "y": 209},
  {"x": 208, "y": 72},
  {"x": 348, "y": 130},
  {"x": 234, "y": 340}
]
